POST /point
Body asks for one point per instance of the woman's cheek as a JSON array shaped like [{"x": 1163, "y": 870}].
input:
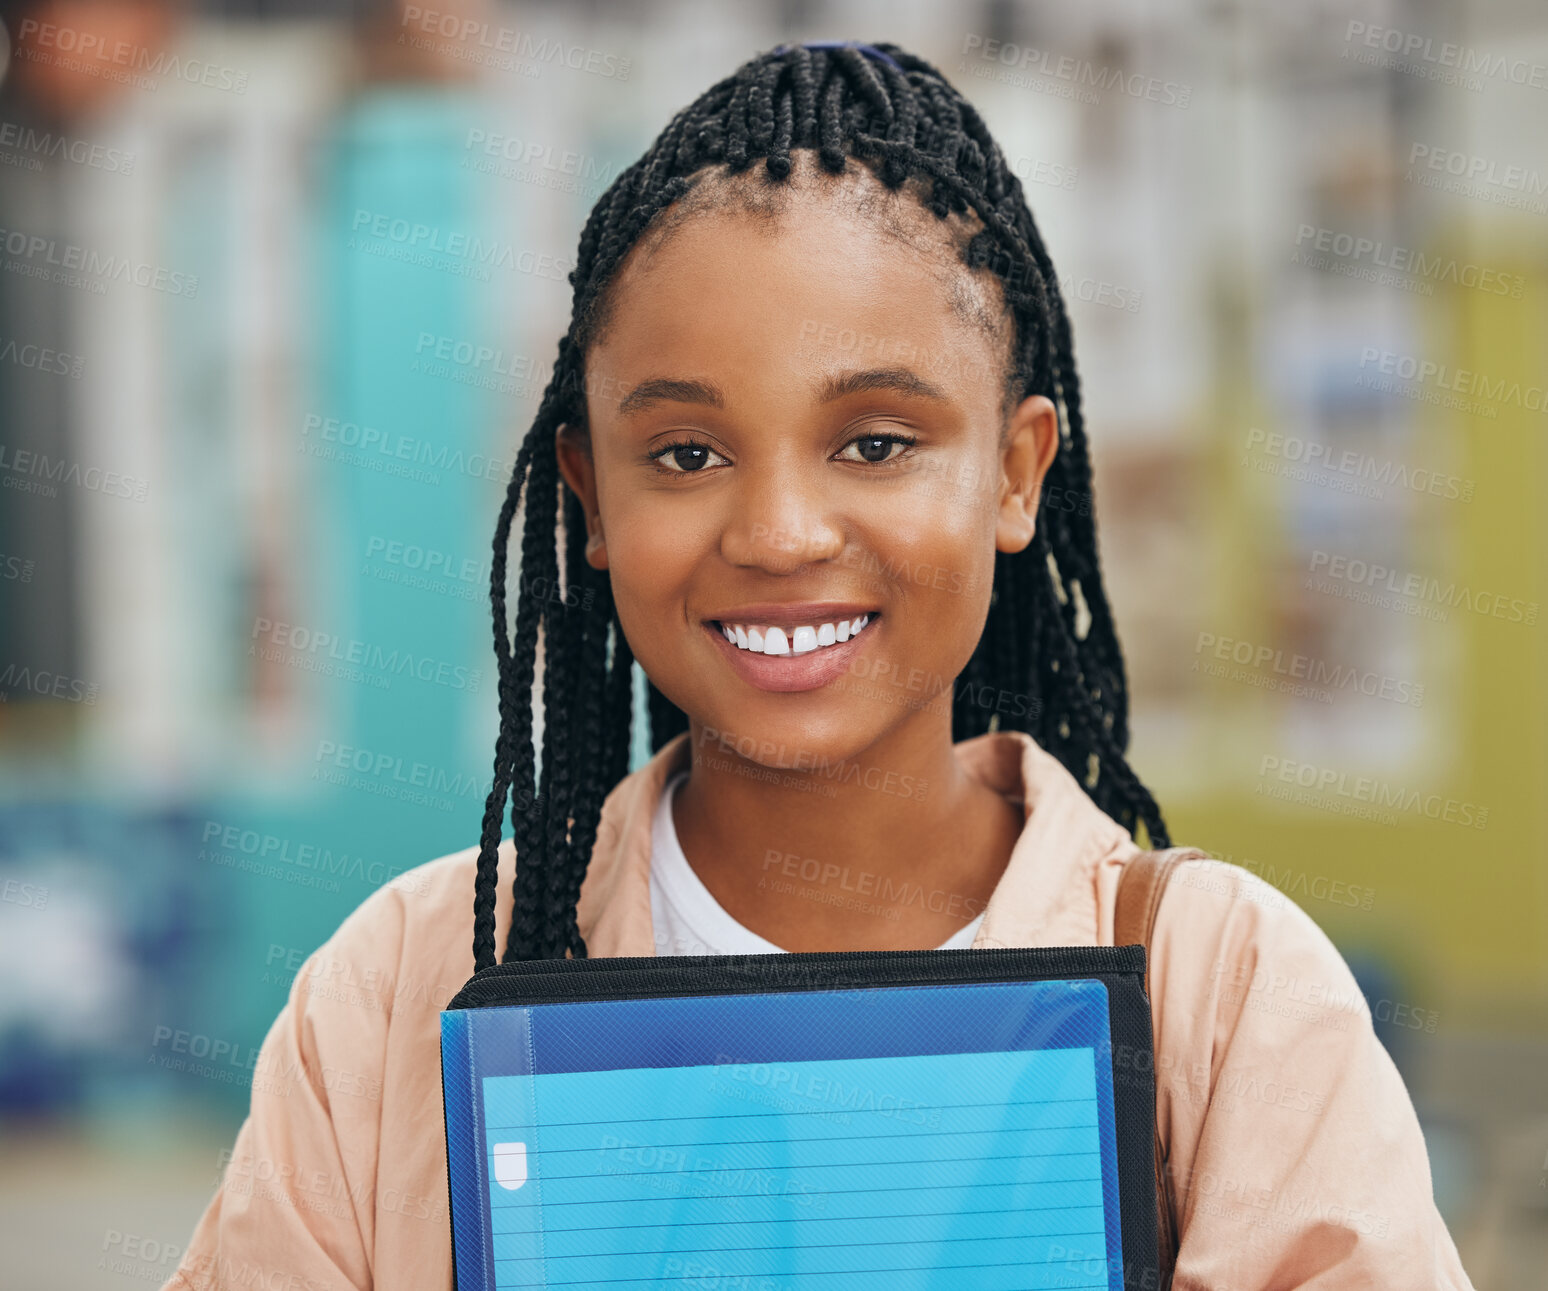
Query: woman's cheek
[
  {"x": 943, "y": 534},
  {"x": 960, "y": 564},
  {"x": 649, "y": 566},
  {"x": 648, "y": 546}
]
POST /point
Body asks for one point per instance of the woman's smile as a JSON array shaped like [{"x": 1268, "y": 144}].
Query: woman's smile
[{"x": 792, "y": 648}]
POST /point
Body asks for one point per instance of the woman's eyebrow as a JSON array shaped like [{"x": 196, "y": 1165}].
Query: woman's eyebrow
[
  {"x": 898, "y": 380},
  {"x": 656, "y": 390},
  {"x": 670, "y": 390}
]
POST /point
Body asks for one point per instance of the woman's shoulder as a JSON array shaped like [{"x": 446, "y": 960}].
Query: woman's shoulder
[
  {"x": 1226, "y": 934},
  {"x": 411, "y": 940}
]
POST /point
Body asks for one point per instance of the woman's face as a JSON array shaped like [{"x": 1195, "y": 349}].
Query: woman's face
[{"x": 795, "y": 422}]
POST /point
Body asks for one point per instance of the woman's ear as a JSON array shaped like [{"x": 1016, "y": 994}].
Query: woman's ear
[
  {"x": 573, "y": 449},
  {"x": 1031, "y": 440}
]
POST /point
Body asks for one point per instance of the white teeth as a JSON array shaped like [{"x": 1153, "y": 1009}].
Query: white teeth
[{"x": 802, "y": 638}]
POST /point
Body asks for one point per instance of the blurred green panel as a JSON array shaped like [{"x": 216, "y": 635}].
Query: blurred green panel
[{"x": 387, "y": 776}]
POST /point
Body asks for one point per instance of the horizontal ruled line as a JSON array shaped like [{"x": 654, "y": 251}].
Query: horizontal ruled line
[
  {"x": 815, "y": 1111},
  {"x": 838, "y": 1165},
  {"x": 804, "y": 1219},
  {"x": 821, "y": 1273},
  {"x": 847, "y": 1192},
  {"x": 818, "y": 1138},
  {"x": 815, "y": 1246}
]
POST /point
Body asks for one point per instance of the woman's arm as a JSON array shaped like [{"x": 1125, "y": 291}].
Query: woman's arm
[
  {"x": 296, "y": 1207},
  {"x": 1295, "y": 1154}
]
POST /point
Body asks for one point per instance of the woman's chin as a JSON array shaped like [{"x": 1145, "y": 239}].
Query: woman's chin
[{"x": 815, "y": 743}]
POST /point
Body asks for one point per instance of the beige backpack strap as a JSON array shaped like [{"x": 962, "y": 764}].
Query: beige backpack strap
[{"x": 1140, "y": 889}]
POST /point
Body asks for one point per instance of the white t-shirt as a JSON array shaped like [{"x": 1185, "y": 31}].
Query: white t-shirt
[{"x": 689, "y": 921}]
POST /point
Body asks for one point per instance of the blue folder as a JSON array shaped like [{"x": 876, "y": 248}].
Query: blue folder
[{"x": 884, "y": 1121}]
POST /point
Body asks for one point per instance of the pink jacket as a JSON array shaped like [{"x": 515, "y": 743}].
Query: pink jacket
[{"x": 1296, "y": 1153}]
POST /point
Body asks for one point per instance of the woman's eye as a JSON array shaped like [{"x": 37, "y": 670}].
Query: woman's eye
[
  {"x": 877, "y": 449},
  {"x": 684, "y": 458},
  {"x": 689, "y": 456}
]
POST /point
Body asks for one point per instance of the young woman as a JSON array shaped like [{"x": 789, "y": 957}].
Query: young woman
[{"x": 813, "y": 455}]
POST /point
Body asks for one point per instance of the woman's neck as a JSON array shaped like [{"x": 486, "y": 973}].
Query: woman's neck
[{"x": 894, "y": 848}]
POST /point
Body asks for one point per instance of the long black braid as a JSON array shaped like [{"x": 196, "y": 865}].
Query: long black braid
[{"x": 1049, "y": 638}]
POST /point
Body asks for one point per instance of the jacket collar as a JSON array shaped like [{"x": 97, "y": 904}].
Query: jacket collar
[{"x": 1045, "y": 897}]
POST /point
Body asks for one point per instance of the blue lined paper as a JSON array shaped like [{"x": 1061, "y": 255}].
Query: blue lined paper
[{"x": 716, "y": 1162}]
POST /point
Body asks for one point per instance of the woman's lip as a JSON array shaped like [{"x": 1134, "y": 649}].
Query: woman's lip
[
  {"x": 783, "y": 612},
  {"x": 792, "y": 672}
]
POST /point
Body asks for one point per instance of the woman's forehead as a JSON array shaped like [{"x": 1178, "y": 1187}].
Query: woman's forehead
[
  {"x": 808, "y": 295},
  {"x": 843, "y": 250}
]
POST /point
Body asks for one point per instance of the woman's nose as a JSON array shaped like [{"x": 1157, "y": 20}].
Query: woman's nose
[{"x": 781, "y": 521}]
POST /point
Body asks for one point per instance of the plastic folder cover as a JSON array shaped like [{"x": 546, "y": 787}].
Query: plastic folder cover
[{"x": 760, "y": 1123}]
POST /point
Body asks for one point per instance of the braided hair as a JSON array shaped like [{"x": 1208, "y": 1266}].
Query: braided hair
[{"x": 1049, "y": 635}]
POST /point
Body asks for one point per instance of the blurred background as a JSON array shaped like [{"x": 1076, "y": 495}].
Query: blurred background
[{"x": 258, "y": 403}]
